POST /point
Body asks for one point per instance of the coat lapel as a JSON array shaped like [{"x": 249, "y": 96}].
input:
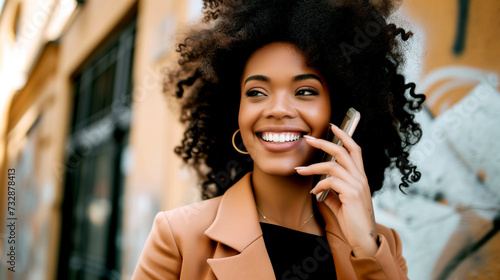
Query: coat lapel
[
  {"x": 252, "y": 263},
  {"x": 241, "y": 252}
]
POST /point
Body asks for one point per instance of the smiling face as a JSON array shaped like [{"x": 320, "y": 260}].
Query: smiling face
[{"x": 282, "y": 99}]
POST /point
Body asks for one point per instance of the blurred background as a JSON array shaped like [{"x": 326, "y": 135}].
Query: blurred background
[{"x": 86, "y": 127}]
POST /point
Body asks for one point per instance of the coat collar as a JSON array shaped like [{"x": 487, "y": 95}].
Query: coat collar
[{"x": 236, "y": 225}]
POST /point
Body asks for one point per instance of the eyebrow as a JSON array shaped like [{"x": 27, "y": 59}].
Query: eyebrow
[
  {"x": 306, "y": 77},
  {"x": 257, "y": 78},
  {"x": 295, "y": 79}
]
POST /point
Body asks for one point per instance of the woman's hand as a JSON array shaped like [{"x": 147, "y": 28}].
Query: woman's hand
[{"x": 353, "y": 203}]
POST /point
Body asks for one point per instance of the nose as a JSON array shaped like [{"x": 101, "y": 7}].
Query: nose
[{"x": 280, "y": 106}]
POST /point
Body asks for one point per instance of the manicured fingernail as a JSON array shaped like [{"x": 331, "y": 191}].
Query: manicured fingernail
[
  {"x": 299, "y": 167},
  {"x": 309, "y": 137},
  {"x": 332, "y": 125}
]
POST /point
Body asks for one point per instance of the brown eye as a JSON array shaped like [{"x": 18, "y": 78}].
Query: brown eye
[
  {"x": 306, "y": 92},
  {"x": 254, "y": 93}
]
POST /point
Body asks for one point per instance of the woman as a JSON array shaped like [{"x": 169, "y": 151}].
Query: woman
[{"x": 271, "y": 76}]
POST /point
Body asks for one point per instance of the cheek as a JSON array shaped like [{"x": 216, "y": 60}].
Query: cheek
[
  {"x": 318, "y": 118},
  {"x": 242, "y": 113},
  {"x": 247, "y": 116}
]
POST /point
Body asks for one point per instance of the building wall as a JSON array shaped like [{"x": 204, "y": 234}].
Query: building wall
[
  {"x": 460, "y": 45},
  {"x": 29, "y": 108},
  {"x": 155, "y": 171},
  {"x": 447, "y": 221},
  {"x": 31, "y": 143},
  {"x": 55, "y": 38},
  {"x": 38, "y": 110}
]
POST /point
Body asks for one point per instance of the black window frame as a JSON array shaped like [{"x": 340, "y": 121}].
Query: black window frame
[{"x": 110, "y": 126}]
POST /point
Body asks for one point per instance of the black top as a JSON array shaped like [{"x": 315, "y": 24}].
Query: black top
[{"x": 298, "y": 255}]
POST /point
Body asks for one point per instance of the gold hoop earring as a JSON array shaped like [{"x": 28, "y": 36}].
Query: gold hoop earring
[{"x": 234, "y": 145}]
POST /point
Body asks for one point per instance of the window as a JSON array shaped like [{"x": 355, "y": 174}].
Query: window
[{"x": 91, "y": 230}]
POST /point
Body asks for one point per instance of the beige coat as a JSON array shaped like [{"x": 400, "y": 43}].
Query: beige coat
[{"x": 221, "y": 238}]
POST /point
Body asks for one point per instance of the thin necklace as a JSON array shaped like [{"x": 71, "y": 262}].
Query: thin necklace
[{"x": 312, "y": 215}]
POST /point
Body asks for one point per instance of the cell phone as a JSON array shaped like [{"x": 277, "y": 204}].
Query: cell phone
[{"x": 348, "y": 125}]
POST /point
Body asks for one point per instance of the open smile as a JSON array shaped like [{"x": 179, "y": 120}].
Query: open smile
[{"x": 279, "y": 137}]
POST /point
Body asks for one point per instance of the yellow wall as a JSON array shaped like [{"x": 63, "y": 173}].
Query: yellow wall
[
  {"x": 438, "y": 23},
  {"x": 37, "y": 185},
  {"x": 157, "y": 180},
  {"x": 48, "y": 92}
]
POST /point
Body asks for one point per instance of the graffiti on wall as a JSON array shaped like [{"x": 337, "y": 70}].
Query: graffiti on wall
[{"x": 450, "y": 219}]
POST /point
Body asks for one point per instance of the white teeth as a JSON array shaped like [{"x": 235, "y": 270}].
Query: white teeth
[{"x": 280, "y": 137}]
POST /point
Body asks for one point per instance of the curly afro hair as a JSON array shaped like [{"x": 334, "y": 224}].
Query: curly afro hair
[{"x": 349, "y": 41}]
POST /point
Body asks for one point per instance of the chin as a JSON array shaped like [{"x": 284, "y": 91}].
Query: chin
[
  {"x": 281, "y": 172},
  {"x": 280, "y": 167}
]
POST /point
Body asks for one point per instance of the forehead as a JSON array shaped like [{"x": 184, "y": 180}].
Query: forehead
[{"x": 277, "y": 57}]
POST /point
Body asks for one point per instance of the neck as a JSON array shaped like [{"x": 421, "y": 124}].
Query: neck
[{"x": 284, "y": 200}]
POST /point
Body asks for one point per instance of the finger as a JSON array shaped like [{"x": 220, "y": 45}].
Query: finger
[
  {"x": 341, "y": 155},
  {"x": 338, "y": 185},
  {"x": 350, "y": 145},
  {"x": 331, "y": 168},
  {"x": 333, "y": 202},
  {"x": 347, "y": 190}
]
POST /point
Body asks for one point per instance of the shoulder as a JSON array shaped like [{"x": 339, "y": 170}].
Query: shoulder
[
  {"x": 177, "y": 235},
  {"x": 188, "y": 223},
  {"x": 197, "y": 215}
]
